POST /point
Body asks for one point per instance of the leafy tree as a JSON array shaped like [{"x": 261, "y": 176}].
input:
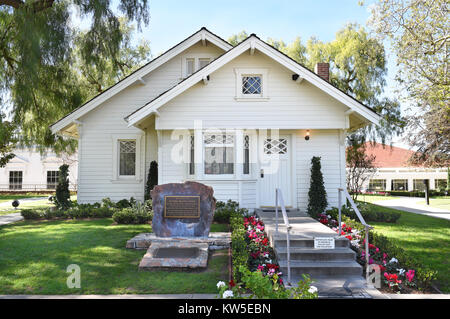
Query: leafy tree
[
  {"x": 36, "y": 58},
  {"x": 62, "y": 189},
  {"x": 419, "y": 33},
  {"x": 360, "y": 166},
  {"x": 7, "y": 141},
  {"x": 235, "y": 39},
  {"x": 152, "y": 179},
  {"x": 98, "y": 75},
  {"x": 317, "y": 196}
]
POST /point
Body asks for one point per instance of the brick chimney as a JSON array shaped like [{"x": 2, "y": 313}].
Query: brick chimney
[{"x": 323, "y": 70}]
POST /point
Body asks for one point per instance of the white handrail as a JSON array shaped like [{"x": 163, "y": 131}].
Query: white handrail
[
  {"x": 279, "y": 198},
  {"x": 361, "y": 219}
]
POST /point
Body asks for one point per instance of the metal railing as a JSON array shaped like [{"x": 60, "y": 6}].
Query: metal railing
[
  {"x": 279, "y": 200},
  {"x": 32, "y": 187},
  {"x": 367, "y": 227}
]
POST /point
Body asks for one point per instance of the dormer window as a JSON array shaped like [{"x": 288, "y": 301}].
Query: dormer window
[
  {"x": 192, "y": 64},
  {"x": 251, "y": 84}
]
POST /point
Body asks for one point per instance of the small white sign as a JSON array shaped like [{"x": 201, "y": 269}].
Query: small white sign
[{"x": 323, "y": 243}]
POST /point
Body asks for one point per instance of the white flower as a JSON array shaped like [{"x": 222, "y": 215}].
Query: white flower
[
  {"x": 312, "y": 290},
  {"x": 329, "y": 216},
  {"x": 269, "y": 261},
  {"x": 401, "y": 271},
  {"x": 220, "y": 284},
  {"x": 393, "y": 260},
  {"x": 227, "y": 294}
]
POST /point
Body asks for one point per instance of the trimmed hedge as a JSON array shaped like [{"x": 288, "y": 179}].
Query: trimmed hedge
[
  {"x": 370, "y": 212},
  {"x": 224, "y": 211},
  {"x": 238, "y": 244}
]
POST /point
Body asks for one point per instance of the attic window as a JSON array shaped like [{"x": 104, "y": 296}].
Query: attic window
[
  {"x": 251, "y": 84},
  {"x": 193, "y": 63}
]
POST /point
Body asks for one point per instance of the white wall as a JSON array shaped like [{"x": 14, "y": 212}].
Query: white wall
[
  {"x": 106, "y": 122},
  {"x": 34, "y": 167},
  {"x": 290, "y": 105}
]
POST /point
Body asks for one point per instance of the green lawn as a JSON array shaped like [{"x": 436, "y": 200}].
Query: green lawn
[
  {"x": 37, "y": 204},
  {"x": 374, "y": 198},
  {"x": 425, "y": 238},
  {"x": 438, "y": 202},
  {"x": 34, "y": 257}
]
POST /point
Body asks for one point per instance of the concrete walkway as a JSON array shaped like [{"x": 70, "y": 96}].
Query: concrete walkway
[
  {"x": 10, "y": 218},
  {"x": 409, "y": 204}
]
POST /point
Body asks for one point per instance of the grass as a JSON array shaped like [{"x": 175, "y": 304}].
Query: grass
[
  {"x": 34, "y": 257},
  {"x": 438, "y": 202},
  {"x": 37, "y": 204},
  {"x": 425, "y": 238},
  {"x": 374, "y": 198}
]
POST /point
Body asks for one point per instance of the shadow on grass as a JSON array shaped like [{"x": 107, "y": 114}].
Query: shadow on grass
[{"x": 35, "y": 255}]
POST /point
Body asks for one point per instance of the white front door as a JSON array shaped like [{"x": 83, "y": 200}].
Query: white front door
[{"x": 275, "y": 169}]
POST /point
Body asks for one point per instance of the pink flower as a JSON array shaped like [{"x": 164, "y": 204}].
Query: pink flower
[
  {"x": 410, "y": 275},
  {"x": 260, "y": 267}
]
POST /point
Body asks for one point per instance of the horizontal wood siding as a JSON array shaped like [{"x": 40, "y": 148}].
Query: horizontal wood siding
[
  {"x": 323, "y": 143},
  {"x": 290, "y": 105},
  {"x": 107, "y": 120}
]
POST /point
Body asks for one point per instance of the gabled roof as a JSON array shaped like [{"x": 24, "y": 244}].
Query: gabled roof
[
  {"x": 202, "y": 35},
  {"x": 389, "y": 156},
  {"x": 253, "y": 43}
]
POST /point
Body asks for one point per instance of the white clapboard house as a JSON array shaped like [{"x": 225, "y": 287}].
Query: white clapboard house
[{"x": 244, "y": 120}]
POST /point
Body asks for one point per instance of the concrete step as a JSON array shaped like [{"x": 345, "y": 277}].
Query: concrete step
[
  {"x": 327, "y": 268},
  {"x": 326, "y": 282},
  {"x": 311, "y": 254},
  {"x": 300, "y": 241}
]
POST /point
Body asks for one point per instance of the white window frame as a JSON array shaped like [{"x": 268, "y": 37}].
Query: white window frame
[
  {"x": 263, "y": 73},
  {"x": 116, "y": 177},
  {"x": 218, "y": 176},
  {"x": 196, "y": 58}
]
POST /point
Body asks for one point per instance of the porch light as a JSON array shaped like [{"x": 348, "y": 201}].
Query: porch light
[{"x": 307, "y": 135}]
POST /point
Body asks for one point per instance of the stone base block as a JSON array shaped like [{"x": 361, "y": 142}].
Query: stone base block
[
  {"x": 216, "y": 240},
  {"x": 175, "y": 255}
]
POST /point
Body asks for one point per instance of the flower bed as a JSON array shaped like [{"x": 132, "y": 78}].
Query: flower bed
[
  {"x": 255, "y": 269},
  {"x": 399, "y": 272}
]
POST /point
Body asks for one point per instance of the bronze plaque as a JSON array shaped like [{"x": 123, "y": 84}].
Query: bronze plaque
[{"x": 182, "y": 206}]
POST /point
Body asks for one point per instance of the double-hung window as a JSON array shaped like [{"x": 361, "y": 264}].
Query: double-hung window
[
  {"x": 52, "y": 179},
  {"x": 127, "y": 157},
  {"x": 219, "y": 154},
  {"x": 15, "y": 179}
]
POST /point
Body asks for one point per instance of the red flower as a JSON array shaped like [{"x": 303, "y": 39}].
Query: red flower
[{"x": 231, "y": 283}]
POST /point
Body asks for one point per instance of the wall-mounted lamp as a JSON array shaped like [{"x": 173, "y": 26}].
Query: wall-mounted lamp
[{"x": 307, "y": 135}]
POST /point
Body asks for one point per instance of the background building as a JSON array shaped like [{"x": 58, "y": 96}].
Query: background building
[
  {"x": 32, "y": 171},
  {"x": 395, "y": 174}
]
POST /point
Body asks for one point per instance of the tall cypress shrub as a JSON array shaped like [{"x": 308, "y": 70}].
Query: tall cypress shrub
[
  {"x": 62, "y": 189},
  {"x": 317, "y": 196},
  {"x": 152, "y": 179}
]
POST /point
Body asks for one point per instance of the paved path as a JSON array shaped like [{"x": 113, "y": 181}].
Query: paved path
[
  {"x": 10, "y": 218},
  {"x": 409, "y": 204}
]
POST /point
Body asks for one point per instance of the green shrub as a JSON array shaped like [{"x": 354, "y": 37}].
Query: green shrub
[
  {"x": 62, "y": 189},
  {"x": 138, "y": 214},
  {"x": 370, "y": 213},
  {"x": 125, "y": 203},
  {"x": 317, "y": 196},
  {"x": 31, "y": 214},
  {"x": 50, "y": 213},
  {"x": 238, "y": 244},
  {"x": 224, "y": 211},
  {"x": 124, "y": 216}
]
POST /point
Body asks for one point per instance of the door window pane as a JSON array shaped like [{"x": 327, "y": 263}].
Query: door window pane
[{"x": 219, "y": 154}]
